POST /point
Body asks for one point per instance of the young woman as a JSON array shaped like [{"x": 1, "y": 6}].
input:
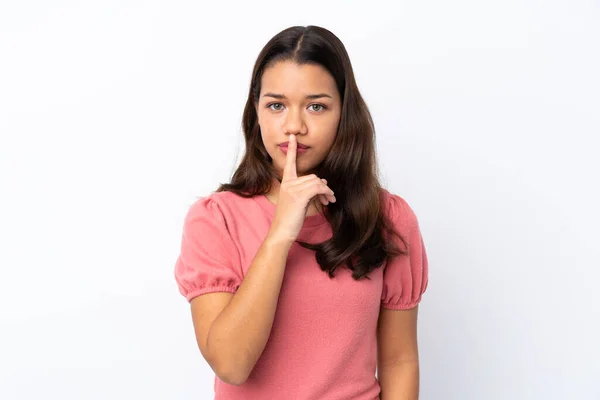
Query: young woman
[{"x": 303, "y": 273}]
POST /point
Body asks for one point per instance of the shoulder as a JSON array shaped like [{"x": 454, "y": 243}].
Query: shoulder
[
  {"x": 228, "y": 210},
  {"x": 397, "y": 209},
  {"x": 215, "y": 203}
]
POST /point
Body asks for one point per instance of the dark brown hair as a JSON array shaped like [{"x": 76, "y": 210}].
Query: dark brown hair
[{"x": 359, "y": 226}]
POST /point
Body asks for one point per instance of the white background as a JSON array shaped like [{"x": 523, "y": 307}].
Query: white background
[{"x": 115, "y": 115}]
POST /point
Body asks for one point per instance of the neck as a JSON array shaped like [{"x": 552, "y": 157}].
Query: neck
[{"x": 315, "y": 206}]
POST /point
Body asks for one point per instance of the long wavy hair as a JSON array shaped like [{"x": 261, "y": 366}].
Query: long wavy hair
[{"x": 361, "y": 230}]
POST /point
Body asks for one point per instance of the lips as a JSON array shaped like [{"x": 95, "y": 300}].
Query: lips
[
  {"x": 300, "y": 145},
  {"x": 299, "y": 151}
]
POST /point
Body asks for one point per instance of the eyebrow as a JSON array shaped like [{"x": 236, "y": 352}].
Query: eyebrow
[{"x": 310, "y": 96}]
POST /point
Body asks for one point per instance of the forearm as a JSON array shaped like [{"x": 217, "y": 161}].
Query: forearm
[
  {"x": 239, "y": 334},
  {"x": 399, "y": 381}
]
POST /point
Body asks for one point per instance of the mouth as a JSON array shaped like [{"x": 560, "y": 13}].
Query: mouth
[
  {"x": 300, "y": 146},
  {"x": 299, "y": 150}
]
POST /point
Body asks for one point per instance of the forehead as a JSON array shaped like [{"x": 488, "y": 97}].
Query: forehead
[{"x": 291, "y": 79}]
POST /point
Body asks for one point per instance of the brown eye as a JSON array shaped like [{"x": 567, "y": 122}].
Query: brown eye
[{"x": 321, "y": 107}]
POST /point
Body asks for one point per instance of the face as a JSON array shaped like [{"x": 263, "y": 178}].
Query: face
[{"x": 301, "y": 100}]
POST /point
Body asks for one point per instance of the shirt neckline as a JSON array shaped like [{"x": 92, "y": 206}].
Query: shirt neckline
[{"x": 309, "y": 221}]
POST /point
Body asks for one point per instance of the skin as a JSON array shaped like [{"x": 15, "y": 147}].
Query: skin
[
  {"x": 398, "y": 354},
  {"x": 315, "y": 126},
  {"x": 314, "y": 121}
]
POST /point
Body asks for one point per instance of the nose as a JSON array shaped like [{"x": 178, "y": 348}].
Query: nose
[{"x": 294, "y": 123}]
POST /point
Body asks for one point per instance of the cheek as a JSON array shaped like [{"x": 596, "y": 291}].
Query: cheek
[
  {"x": 328, "y": 132},
  {"x": 335, "y": 122},
  {"x": 268, "y": 125}
]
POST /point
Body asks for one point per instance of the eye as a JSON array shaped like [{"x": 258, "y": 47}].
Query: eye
[
  {"x": 273, "y": 104},
  {"x": 321, "y": 107},
  {"x": 279, "y": 107}
]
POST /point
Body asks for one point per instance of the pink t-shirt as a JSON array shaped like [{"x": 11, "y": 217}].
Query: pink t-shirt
[{"x": 323, "y": 343}]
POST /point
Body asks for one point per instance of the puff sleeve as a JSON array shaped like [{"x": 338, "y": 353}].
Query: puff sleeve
[
  {"x": 405, "y": 277},
  {"x": 209, "y": 259}
]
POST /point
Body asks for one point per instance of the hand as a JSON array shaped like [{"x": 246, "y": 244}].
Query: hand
[{"x": 295, "y": 195}]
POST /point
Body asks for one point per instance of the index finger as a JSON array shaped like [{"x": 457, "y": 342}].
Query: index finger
[{"x": 289, "y": 170}]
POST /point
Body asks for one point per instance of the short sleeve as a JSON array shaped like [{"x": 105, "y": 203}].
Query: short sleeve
[
  {"x": 209, "y": 259},
  {"x": 405, "y": 277}
]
